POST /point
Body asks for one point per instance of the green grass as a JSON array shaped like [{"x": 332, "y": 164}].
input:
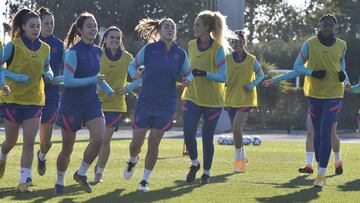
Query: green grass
[{"x": 271, "y": 177}]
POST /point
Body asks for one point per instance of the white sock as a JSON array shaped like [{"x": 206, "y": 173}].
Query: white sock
[
  {"x": 60, "y": 178},
  {"x": 321, "y": 171},
  {"x": 24, "y": 174},
  {"x": 133, "y": 159},
  {"x": 207, "y": 172},
  {"x": 337, "y": 157},
  {"x": 146, "y": 175},
  {"x": 240, "y": 153},
  {"x": 3, "y": 156},
  {"x": 100, "y": 170},
  {"x": 42, "y": 156},
  {"x": 195, "y": 162},
  {"x": 83, "y": 169},
  {"x": 309, "y": 158}
]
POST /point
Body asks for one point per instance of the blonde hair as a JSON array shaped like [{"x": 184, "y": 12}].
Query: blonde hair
[
  {"x": 218, "y": 28},
  {"x": 149, "y": 29}
]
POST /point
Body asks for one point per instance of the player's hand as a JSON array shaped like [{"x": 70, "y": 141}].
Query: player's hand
[
  {"x": 137, "y": 75},
  {"x": 246, "y": 88},
  {"x": 122, "y": 91},
  {"x": 185, "y": 82},
  {"x": 319, "y": 74},
  {"x": 5, "y": 90},
  {"x": 53, "y": 82},
  {"x": 101, "y": 78},
  {"x": 199, "y": 73},
  {"x": 347, "y": 86}
]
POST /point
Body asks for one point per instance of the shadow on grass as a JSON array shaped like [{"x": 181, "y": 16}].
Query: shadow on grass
[
  {"x": 350, "y": 186},
  {"x": 180, "y": 188},
  {"x": 304, "y": 195},
  {"x": 39, "y": 196}
]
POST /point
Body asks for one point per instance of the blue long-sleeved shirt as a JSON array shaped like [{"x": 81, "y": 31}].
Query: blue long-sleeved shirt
[
  {"x": 163, "y": 68},
  {"x": 52, "y": 92},
  {"x": 82, "y": 65},
  {"x": 259, "y": 75}
]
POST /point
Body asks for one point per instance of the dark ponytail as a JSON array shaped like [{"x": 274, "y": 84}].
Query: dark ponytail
[
  {"x": 21, "y": 18},
  {"x": 73, "y": 36},
  {"x": 42, "y": 11}
]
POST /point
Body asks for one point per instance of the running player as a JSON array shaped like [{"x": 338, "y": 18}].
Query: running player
[
  {"x": 164, "y": 63},
  {"x": 244, "y": 73}
]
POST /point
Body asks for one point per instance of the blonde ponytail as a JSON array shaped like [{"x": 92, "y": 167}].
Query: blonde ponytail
[
  {"x": 149, "y": 29},
  {"x": 218, "y": 28}
]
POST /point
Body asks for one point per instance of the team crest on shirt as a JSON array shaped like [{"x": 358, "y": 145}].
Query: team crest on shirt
[
  {"x": 54, "y": 50},
  {"x": 176, "y": 56}
]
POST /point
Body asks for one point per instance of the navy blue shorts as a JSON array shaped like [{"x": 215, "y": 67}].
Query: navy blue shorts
[
  {"x": 17, "y": 113},
  {"x": 72, "y": 119},
  {"x": 232, "y": 111},
  {"x": 146, "y": 118},
  {"x": 113, "y": 119},
  {"x": 49, "y": 113}
]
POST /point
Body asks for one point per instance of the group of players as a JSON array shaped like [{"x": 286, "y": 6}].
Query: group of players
[{"x": 37, "y": 63}]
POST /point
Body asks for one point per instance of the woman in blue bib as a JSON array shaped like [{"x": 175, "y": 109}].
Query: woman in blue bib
[{"x": 80, "y": 103}]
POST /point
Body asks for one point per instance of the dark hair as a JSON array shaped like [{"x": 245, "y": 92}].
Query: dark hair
[
  {"x": 106, "y": 33},
  {"x": 42, "y": 11},
  {"x": 328, "y": 15},
  {"x": 149, "y": 29},
  {"x": 73, "y": 36},
  {"x": 21, "y": 18},
  {"x": 241, "y": 35}
]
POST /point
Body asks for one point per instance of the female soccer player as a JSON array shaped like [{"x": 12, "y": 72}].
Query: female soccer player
[
  {"x": 80, "y": 103},
  {"x": 114, "y": 65},
  {"x": 164, "y": 63},
  {"x": 244, "y": 73},
  {"x": 52, "y": 89},
  {"x": 205, "y": 97},
  {"x": 324, "y": 56},
  {"x": 29, "y": 56}
]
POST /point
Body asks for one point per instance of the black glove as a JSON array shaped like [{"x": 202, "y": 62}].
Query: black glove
[
  {"x": 342, "y": 76},
  {"x": 319, "y": 74},
  {"x": 199, "y": 73}
]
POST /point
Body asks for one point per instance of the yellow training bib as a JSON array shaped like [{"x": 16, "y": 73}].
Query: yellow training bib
[
  {"x": 30, "y": 63},
  {"x": 324, "y": 58},
  {"x": 116, "y": 74},
  {"x": 239, "y": 75},
  {"x": 203, "y": 91}
]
